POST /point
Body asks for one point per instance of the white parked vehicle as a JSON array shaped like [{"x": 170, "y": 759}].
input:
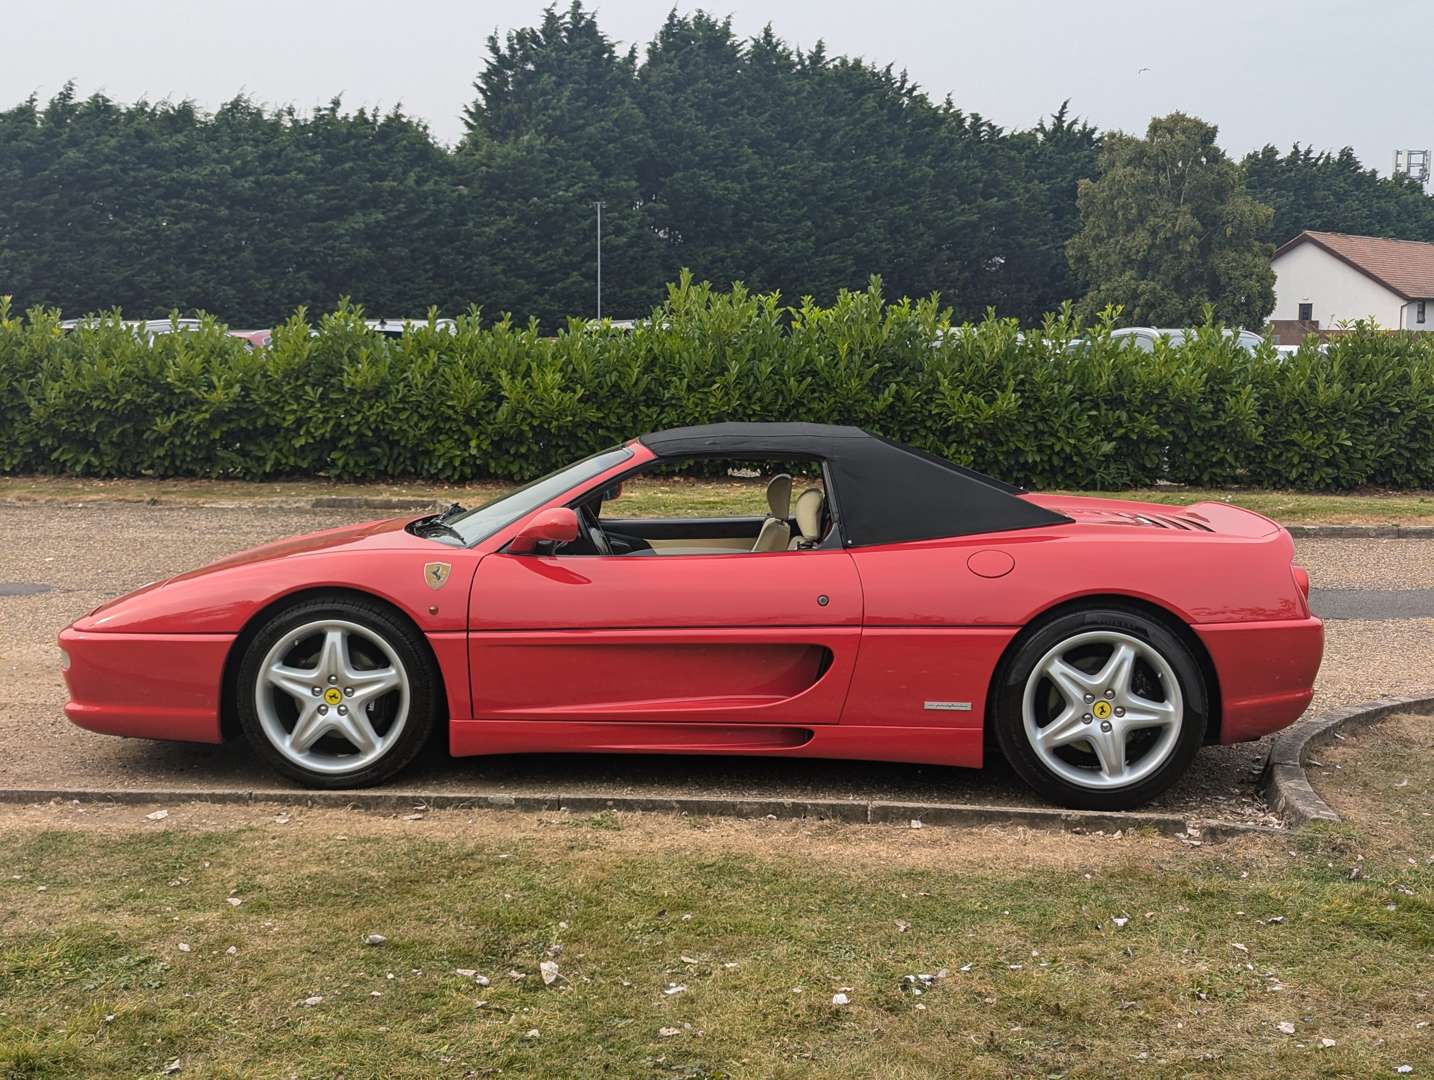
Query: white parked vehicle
[
  {"x": 623, "y": 326},
  {"x": 151, "y": 328},
  {"x": 964, "y": 330},
  {"x": 394, "y": 328},
  {"x": 1289, "y": 350},
  {"x": 1145, "y": 337}
]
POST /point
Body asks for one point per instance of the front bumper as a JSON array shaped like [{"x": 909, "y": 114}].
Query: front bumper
[
  {"x": 1266, "y": 671},
  {"x": 146, "y": 686}
]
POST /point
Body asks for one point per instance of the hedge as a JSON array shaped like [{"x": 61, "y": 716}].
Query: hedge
[{"x": 500, "y": 401}]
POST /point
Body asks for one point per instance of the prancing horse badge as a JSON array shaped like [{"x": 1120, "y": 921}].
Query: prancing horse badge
[{"x": 436, "y": 573}]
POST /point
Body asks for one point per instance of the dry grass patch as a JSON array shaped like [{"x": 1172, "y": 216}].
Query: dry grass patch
[
  {"x": 657, "y": 496},
  {"x": 1300, "y": 507},
  {"x": 1380, "y": 779},
  {"x": 1070, "y": 955}
]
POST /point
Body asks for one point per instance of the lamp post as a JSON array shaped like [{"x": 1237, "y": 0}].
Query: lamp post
[{"x": 599, "y": 204}]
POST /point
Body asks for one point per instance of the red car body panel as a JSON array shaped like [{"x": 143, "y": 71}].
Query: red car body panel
[
  {"x": 883, "y": 652},
  {"x": 1265, "y": 672},
  {"x": 253, "y": 339},
  {"x": 161, "y": 622},
  {"x": 150, "y": 686}
]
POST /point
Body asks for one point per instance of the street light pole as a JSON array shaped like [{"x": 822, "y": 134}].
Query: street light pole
[{"x": 599, "y": 205}]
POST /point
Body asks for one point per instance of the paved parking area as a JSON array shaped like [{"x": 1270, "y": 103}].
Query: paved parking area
[{"x": 57, "y": 562}]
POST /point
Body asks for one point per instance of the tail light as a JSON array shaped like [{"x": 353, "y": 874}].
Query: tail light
[{"x": 1302, "y": 579}]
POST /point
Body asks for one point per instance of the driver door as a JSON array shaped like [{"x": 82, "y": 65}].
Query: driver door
[{"x": 676, "y": 639}]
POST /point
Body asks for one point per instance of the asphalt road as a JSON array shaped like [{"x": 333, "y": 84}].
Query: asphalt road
[
  {"x": 1373, "y": 603},
  {"x": 57, "y": 562}
]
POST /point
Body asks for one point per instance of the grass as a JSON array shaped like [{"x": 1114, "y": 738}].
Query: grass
[
  {"x": 679, "y": 496},
  {"x": 761, "y": 922},
  {"x": 1301, "y": 508}
]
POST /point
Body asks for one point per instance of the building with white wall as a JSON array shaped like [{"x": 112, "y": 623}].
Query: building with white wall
[{"x": 1324, "y": 278}]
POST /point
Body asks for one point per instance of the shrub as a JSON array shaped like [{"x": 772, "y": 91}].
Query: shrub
[{"x": 1065, "y": 407}]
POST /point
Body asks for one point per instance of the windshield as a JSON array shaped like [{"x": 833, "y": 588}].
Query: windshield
[{"x": 483, "y": 521}]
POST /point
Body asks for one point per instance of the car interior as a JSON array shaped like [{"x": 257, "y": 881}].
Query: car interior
[{"x": 789, "y": 513}]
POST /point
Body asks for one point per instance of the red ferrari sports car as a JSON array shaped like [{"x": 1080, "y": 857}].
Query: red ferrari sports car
[{"x": 885, "y": 604}]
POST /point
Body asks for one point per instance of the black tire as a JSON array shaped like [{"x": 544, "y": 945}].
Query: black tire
[
  {"x": 1008, "y": 695},
  {"x": 407, "y": 645}
]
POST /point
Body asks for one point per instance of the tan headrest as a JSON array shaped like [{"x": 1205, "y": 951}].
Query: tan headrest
[
  {"x": 809, "y": 513},
  {"x": 779, "y": 497}
]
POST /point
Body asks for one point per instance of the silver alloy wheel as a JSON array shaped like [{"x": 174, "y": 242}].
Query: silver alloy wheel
[
  {"x": 1099, "y": 710},
  {"x": 336, "y": 702}
]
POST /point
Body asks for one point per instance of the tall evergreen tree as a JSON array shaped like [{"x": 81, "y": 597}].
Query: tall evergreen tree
[
  {"x": 712, "y": 187},
  {"x": 1058, "y": 153},
  {"x": 739, "y": 158},
  {"x": 1334, "y": 192},
  {"x": 247, "y": 213},
  {"x": 796, "y": 171},
  {"x": 555, "y": 129}
]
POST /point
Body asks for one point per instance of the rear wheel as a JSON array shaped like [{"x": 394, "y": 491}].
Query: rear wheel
[
  {"x": 1101, "y": 709},
  {"x": 336, "y": 693}
]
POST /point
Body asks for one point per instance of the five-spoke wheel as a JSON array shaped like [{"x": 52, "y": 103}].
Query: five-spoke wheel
[
  {"x": 1101, "y": 709},
  {"x": 336, "y": 693}
]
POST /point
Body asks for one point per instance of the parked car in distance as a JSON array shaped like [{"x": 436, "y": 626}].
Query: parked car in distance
[
  {"x": 149, "y": 327},
  {"x": 1145, "y": 337},
  {"x": 253, "y": 339},
  {"x": 1289, "y": 350},
  {"x": 623, "y": 326},
  {"x": 395, "y": 328},
  {"x": 965, "y": 330},
  {"x": 153, "y": 328}
]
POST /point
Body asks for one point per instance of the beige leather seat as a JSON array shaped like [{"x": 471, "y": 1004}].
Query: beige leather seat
[
  {"x": 775, "y": 531},
  {"x": 810, "y": 505}
]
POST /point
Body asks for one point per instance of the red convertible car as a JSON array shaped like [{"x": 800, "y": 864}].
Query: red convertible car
[{"x": 898, "y": 607}]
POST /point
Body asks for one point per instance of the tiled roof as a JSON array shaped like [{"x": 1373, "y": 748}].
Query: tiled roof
[{"x": 1402, "y": 266}]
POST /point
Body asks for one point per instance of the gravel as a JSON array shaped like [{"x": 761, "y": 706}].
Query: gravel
[
  {"x": 1368, "y": 564},
  {"x": 91, "y": 553}
]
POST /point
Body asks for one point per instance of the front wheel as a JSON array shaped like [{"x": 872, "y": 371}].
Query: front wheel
[
  {"x": 336, "y": 693},
  {"x": 1101, "y": 709}
]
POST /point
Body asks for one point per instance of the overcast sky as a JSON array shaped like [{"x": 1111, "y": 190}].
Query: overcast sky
[{"x": 1325, "y": 72}]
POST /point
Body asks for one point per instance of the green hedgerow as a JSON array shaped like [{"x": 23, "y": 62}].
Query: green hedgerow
[{"x": 1064, "y": 407}]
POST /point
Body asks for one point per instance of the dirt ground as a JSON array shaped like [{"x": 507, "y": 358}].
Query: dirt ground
[{"x": 89, "y": 553}]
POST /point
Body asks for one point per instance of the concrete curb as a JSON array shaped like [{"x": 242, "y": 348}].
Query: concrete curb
[
  {"x": 366, "y": 502},
  {"x": 1285, "y": 782},
  {"x": 1362, "y": 532},
  {"x": 847, "y": 811}
]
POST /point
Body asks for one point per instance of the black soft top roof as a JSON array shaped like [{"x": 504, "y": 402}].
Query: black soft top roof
[{"x": 887, "y": 493}]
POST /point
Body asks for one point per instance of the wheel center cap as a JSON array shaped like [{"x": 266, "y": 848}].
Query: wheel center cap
[
  {"x": 1101, "y": 710},
  {"x": 333, "y": 695}
]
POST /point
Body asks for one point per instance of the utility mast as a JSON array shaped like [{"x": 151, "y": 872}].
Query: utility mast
[
  {"x": 599, "y": 204},
  {"x": 1413, "y": 164}
]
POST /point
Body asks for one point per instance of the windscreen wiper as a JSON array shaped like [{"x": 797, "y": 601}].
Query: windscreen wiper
[
  {"x": 438, "y": 523},
  {"x": 433, "y": 525}
]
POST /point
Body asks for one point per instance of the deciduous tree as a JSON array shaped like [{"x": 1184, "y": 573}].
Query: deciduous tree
[{"x": 1168, "y": 228}]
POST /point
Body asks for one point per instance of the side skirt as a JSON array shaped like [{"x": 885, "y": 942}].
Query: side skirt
[{"x": 917, "y": 745}]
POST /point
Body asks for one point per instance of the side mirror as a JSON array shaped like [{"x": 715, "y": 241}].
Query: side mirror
[{"x": 559, "y": 525}]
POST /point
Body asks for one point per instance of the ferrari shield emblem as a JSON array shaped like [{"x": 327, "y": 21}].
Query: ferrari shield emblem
[
  {"x": 436, "y": 573},
  {"x": 1101, "y": 709}
]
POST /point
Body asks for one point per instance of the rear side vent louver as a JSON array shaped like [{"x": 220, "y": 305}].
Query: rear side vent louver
[{"x": 1164, "y": 521}]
